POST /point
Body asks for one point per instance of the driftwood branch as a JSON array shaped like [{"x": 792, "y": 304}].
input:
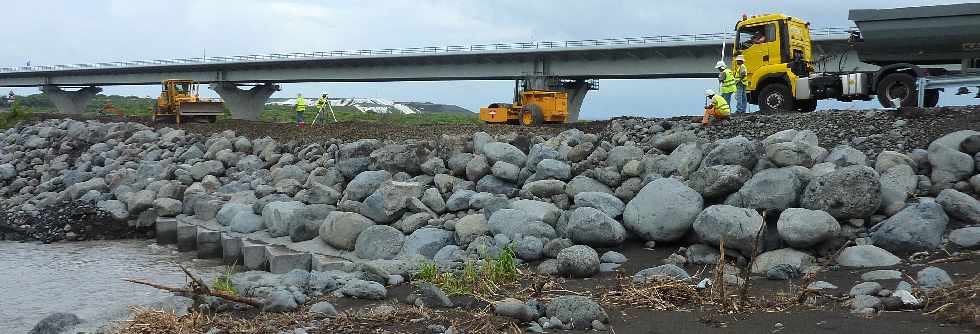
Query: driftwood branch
[{"x": 198, "y": 289}]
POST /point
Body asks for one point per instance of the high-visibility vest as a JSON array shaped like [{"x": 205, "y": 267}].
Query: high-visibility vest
[
  {"x": 744, "y": 80},
  {"x": 322, "y": 102},
  {"x": 728, "y": 86},
  {"x": 300, "y": 104},
  {"x": 721, "y": 105}
]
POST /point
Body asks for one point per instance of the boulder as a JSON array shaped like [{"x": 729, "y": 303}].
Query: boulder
[
  {"x": 498, "y": 151},
  {"x": 246, "y": 222},
  {"x": 612, "y": 257},
  {"x": 608, "y": 204},
  {"x": 341, "y": 229},
  {"x": 968, "y": 237},
  {"x": 169, "y": 207},
  {"x": 459, "y": 200},
  {"x": 933, "y": 278},
  {"x": 537, "y": 210},
  {"x": 849, "y": 192},
  {"x": 663, "y": 210},
  {"x": 544, "y": 188},
  {"x": 592, "y": 227},
  {"x": 582, "y": 183},
  {"x": 390, "y": 200},
  {"x": 379, "y": 242},
  {"x": 281, "y": 217},
  {"x": 363, "y": 289},
  {"x": 888, "y": 159},
  {"x": 579, "y": 311},
  {"x": 619, "y": 155},
  {"x": 354, "y": 158},
  {"x": 495, "y": 185},
  {"x": 803, "y": 228},
  {"x": 918, "y": 227},
  {"x": 737, "y": 226},
  {"x": 949, "y": 164},
  {"x": 718, "y": 180},
  {"x": 786, "y": 256},
  {"x": 896, "y": 185},
  {"x": 365, "y": 184},
  {"x": 551, "y": 168},
  {"x": 401, "y": 158},
  {"x": 426, "y": 242},
  {"x": 512, "y": 222},
  {"x": 775, "y": 189},
  {"x": 844, "y": 155},
  {"x": 866, "y": 256},
  {"x": 471, "y": 227},
  {"x": 732, "y": 151},
  {"x": 681, "y": 162},
  {"x": 433, "y": 200},
  {"x": 529, "y": 248},
  {"x": 960, "y": 206},
  {"x": 228, "y": 212},
  {"x": 865, "y": 288},
  {"x": 578, "y": 261},
  {"x": 506, "y": 171},
  {"x": 790, "y": 153},
  {"x": 56, "y": 323},
  {"x": 669, "y": 271}
]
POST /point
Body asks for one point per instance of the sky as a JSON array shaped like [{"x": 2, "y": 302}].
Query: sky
[{"x": 67, "y": 32}]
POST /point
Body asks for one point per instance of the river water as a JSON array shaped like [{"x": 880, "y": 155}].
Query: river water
[{"x": 85, "y": 278}]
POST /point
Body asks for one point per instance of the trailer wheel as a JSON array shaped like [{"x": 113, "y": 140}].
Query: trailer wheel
[
  {"x": 806, "y": 105},
  {"x": 776, "y": 97},
  {"x": 531, "y": 115},
  {"x": 900, "y": 86}
]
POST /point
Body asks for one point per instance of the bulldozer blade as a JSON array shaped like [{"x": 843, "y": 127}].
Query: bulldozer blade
[{"x": 201, "y": 108}]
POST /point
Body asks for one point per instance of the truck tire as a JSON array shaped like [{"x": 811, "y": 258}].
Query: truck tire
[
  {"x": 806, "y": 105},
  {"x": 531, "y": 115},
  {"x": 776, "y": 97},
  {"x": 898, "y": 86}
]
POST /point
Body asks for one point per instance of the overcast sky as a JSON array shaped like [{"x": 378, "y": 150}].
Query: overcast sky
[{"x": 64, "y": 32}]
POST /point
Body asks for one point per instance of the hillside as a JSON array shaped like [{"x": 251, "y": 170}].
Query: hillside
[{"x": 379, "y": 105}]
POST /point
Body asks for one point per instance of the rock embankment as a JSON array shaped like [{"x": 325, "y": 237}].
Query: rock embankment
[{"x": 554, "y": 199}]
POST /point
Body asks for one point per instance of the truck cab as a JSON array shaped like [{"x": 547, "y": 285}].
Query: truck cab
[{"x": 777, "y": 52}]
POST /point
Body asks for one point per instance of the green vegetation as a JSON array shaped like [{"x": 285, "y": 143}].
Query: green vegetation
[
  {"x": 474, "y": 279},
  {"x": 16, "y": 114},
  {"x": 139, "y": 106},
  {"x": 223, "y": 282}
]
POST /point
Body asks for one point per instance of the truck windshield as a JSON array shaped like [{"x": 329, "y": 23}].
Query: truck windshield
[
  {"x": 182, "y": 88},
  {"x": 749, "y": 36}
]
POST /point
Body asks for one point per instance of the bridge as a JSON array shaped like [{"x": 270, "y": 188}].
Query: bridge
[{"x": 566, "y": 65}]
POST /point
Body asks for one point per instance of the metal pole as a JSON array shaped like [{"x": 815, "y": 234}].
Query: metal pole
[{"x": 921, "y": 93}]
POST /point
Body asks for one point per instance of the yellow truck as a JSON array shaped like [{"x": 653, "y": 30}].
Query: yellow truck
[
  {"x": 910, "y": 45},
  {"x": 530, "y": 108}
]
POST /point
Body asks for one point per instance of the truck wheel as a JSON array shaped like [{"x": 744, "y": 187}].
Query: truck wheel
[
  {"x": 776, "y": 97},
  {"x": 899, "y": 86},
  {"x": 531, "y": 115},
  {"x": 806, "y": 105}
]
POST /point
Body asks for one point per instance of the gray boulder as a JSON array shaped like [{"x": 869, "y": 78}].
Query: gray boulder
[
  {"x": 433, "y": 200},
  {"x": 324, "y": 308},
  {"x": 363, "y": 289},
  {"x": 279, "y": 300},
  {"x": 390, "y": 200},
  {"x": 379, "y": 242},
  {"x": 775, "y": 188},
  {"x": 433, "y": 296},
  {"x": 578, "y": 261},
  {"x": 477, "y": 168},
  {"x": 619, "y": 155},
  {"x": 471, "y": 227},
  {"x": 933, "y": 278},
  {"x": 495, "y": 185},
  {"x": 663, "y": 210},
  {"x": 365, "y": 184},
  {"x": 341, "y": 229},
  {"x": 865, "y": 288},
  {"x": 592, "y": 227},
  {"x": 506, "y": 171},
  {"x": 247, "y": 222},
  {"x": 544, "y": 188},
  {"x": 737, "y": 226},
  {"x": 718, "y": 180},
  {"x": 918, "y": 227},
  {"x": 888, "y": 159},
  {"x": 802, "y": 228},
  {"x": 169, "y": 207},
  {"x": 537, "y": 210},
  {"x": 281, "y": 217},
  {"x": 968, "y": 237},
  {"x": 579, "y": 311},
  {"x": 228, "y": 211},
  {"x": 790, "y": 153},
  {"x": 785, "y": 256},
  {"x": 512, "y": 222},
  {"x": 668, "y": 271},
  {"x": 896, "y": 185},
  {"x": 529, "y": 248},
  {"x": 551, "y": 168},
  {"x": 56, "y": 323},
  {"x": 459, "y": 200},
  {"x": 849, "y": 192},
  {"x": 732, "y": 151},
  {"x": 608, "y": 204},
  {"x": 949, "y": 164},
  {"x": 843, "y": 156},
  {"x": 354, "y": 158},
  {"x": 960, "y": 206},
  {"x": 115, "y": 208},
  {"x": 498, "y": 151},
  {"x": 426, "y": 242},
  {"x": 582, "y": 183},
  {"x": 400, "y": 157},
  {"x": 866, "y": 256}
]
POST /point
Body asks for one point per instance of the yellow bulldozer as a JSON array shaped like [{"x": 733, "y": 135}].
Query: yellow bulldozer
[
  {"x": 530, "y": 108},
  {"x": 179, "y": 101}
]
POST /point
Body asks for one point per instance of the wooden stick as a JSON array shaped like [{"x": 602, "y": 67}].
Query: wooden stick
[{"x": 219, "y": 294}]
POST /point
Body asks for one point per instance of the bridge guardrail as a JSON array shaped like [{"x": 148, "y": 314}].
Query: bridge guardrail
[{"x": 814, "y": 32}]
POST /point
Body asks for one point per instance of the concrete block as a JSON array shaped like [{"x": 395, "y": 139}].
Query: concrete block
[
  {"x": 186, "y": 237},
  {"x": 253, "y": 256},
  {"x": 231, "y": 250},
  {"x": 208, "y": 244},
  {"x": 166, "y": 230},
  {"x": 282, "y": 261},
  {"x": 325, "y": 263}
]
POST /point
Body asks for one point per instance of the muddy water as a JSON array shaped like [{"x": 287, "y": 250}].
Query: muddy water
[{"x": 85, "y": 278}]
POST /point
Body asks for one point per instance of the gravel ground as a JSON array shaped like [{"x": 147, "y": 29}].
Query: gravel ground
[{"x": 67, "y": 221}]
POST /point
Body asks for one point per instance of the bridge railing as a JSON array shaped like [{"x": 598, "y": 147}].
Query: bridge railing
[{"x": 585, "y": 43}]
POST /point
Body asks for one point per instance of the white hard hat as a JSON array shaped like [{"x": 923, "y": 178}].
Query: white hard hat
[
  {"x": 708, "y": 92},
  {"x": 720, "y": 64},
  {"x": 740, "y": 57}
]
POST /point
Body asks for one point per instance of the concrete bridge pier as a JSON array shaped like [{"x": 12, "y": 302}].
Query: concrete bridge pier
[
  {"x": 576, "y": 95},
  {"x": 244, "y": 104},
  {"x": 70, "y": 102}
]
